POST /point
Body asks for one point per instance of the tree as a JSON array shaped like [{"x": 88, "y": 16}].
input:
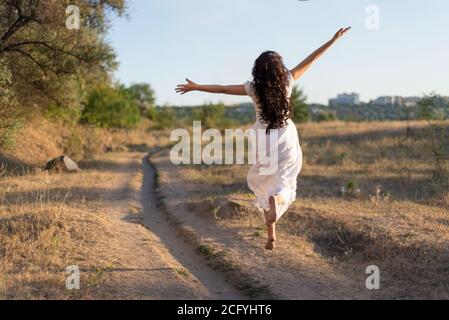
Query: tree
[
  {"x": 426, "y": 107},
  {"x": 210, "y": 115},
  {"x": 299, "y": 106},
  {"x": 436, "y": 134},
  {"x": 49, "y": 62},
  {"x": 110, "y": 108},
  {"x": 165, "y": 117},
  {"x": 325, "y": 116},
  {"x": 144, "y": 97}
]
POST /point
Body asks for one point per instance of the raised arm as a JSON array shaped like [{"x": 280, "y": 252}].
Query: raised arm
[
  {"x": 238, "y": 90},
  {"x": 299, "y": 70}
]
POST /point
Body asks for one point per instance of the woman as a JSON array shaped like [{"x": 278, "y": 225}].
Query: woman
[{"x": 270, "y": 90}]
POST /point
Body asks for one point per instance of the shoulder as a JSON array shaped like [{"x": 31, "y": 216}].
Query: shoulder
[
  {"x": 290, "y": 78},
  {"x": 290, "y": 81},
  {"x": 249, "y": 88}
]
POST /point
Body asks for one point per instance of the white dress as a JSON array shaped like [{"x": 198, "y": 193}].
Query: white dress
[{"x": 283, "y": 181}]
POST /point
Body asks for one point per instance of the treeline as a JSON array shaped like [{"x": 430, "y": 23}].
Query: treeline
[
  {"x": 429, "y": 107},
  {"x": 220, "y": 116}
]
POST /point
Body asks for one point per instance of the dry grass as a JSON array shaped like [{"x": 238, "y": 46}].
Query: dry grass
[
  {"x": 50, "y": 221},
  {"x": 398, "y": 221},
  {"x": 41, "y": 233},
  {"x": 41, "y": 140}
]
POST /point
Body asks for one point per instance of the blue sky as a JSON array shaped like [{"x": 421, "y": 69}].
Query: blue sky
[{"x": 217, "y": 41}]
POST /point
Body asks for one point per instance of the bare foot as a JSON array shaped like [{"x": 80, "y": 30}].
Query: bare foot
[{"x": 270, "y": 244}]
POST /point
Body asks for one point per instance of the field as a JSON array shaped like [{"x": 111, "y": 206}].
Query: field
[
  {"x": 392, "y": 214},
  {"x": 367, "y": 195}
]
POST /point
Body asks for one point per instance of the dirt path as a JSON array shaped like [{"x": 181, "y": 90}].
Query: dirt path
[{"x": 159, "y": 264}]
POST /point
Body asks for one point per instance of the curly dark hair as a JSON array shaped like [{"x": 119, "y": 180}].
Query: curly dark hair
[{"x": 270, "y": 79}]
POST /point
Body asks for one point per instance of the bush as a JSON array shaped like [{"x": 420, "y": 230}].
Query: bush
[
  {"x": 67, "y": 115},
  {"x": 165, "y": 118},
  {"x": 84, "y": 143},
  {"x": 143, "y": 95},
  {"x": 110, "y": 108},
  {"x": 299, "y": 105},
  {"x": 435, "y": 140},
  {"x": 211, "y": 116},
  {"x": 426, "y": 108},
  {"x": 325, "y": 116}
]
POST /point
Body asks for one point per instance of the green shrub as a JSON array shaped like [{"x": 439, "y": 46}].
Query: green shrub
[
  {"x": 110, "y": 108},
  {"x": 83, "y": 143},
  {"x": 67, "y": 115},
  {"x": 151, "y": 114},
  {"x": 435, "y": 140},
  {"x": 427, "y": 108},
  {"x": 299, "y": 105},
  {"x": 325, "y": 116},
  {"x": 74, "y": 145},
  {"x": 165, "y": 118},
  {"x": 143, "y": 95},
  {"x": 212, "y": 116}
]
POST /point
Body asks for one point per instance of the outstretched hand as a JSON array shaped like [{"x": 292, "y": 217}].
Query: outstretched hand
[
  {"x": 340, "y": 33},
  {"x": 184, "y": 88}
]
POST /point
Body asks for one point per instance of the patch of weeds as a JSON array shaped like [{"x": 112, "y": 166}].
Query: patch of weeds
[
  {"x": 258, "y": 232},
  {"x": 341, "y": 158},
  {"x": 218, "y": 261},
  {"x": 380, "y": 194},
  {"x": 157, "y": 178},
  {"x": 215, "y": 212},
  {"x": 205, "y": 250},
  {"x": 255, "y": 290},
  {"x": 435, "y": 141},
  {"x": 183, "y": 273},
  {"x": 96, "y": 276},
  {"x": 222, "y": 264},
  {"x": 224, "y": 267},
  {"x": 350, "y": 189}
]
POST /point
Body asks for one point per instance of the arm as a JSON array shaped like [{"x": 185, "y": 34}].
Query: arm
[
  {"x": 299, "y": 70},
  {"x": 238, "y": 90}
]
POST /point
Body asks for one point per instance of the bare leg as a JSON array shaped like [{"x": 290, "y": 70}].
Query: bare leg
[
  {"x": 271, "y": 230},
  {"x": 271, "y": 216}
]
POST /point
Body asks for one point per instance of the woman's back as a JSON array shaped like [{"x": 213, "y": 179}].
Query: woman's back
[{"x": 249, "y": 87}]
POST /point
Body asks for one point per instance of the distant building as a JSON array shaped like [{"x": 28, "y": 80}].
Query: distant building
[
  {"x": 345, "y": 99},
  {"x": 388, "y": 101},
  {"x": 410, "y": 101},
  {"x": 396, "y": 101}
]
